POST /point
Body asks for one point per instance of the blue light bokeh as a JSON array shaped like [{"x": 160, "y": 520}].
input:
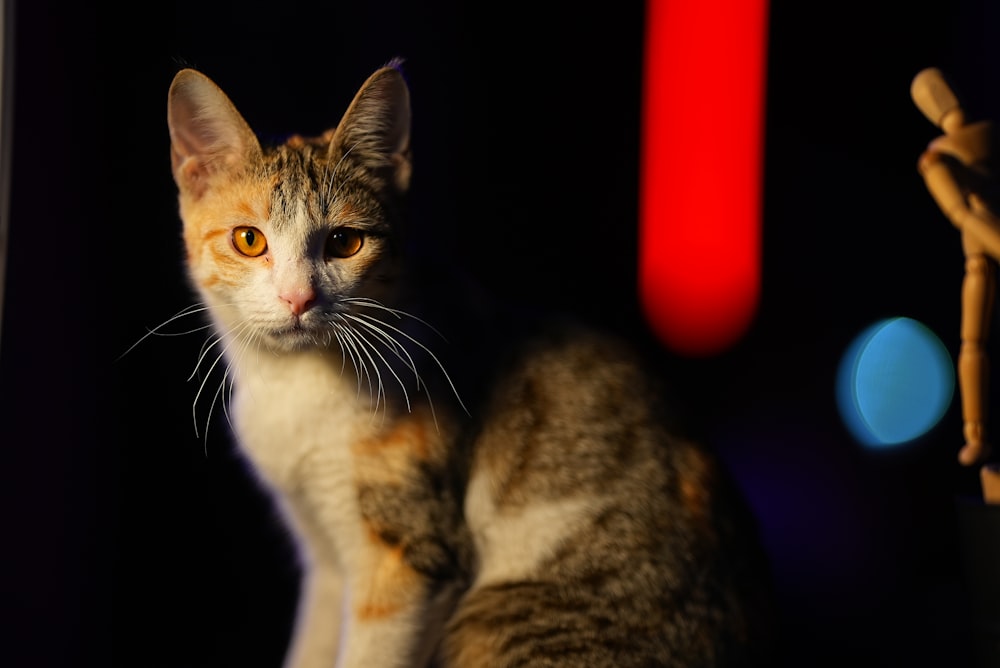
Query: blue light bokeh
[{"x": 895, "y": 382}]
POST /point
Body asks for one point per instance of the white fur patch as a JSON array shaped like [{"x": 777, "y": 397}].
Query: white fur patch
[
  {"x": 296, "y": 416},
  {"x": 292, "y": 405},
  {"x": 513, "y": 542}
]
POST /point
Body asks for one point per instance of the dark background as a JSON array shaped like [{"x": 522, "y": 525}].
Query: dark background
[{"x": 129, "y": 540}]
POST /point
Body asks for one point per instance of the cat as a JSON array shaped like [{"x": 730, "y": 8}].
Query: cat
[{"x": 469, "y": 486}]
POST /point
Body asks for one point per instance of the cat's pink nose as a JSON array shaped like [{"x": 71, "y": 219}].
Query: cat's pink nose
[{"x": 299, "y": 300}]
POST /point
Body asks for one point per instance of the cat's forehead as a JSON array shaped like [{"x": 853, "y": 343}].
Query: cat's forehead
[
  {"x": 298, "y": 158},
  {"x": 296, "y": 170},
  {"x": 307, "y": 176}
]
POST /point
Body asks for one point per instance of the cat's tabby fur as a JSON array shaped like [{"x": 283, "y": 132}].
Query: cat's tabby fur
[{"x": 462, "y": 496}]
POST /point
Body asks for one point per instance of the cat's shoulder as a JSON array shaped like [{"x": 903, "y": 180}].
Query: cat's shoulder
[{"x": 567, "y": 357}]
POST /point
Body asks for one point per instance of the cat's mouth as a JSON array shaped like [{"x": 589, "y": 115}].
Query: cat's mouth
[{"x": 295, "y": 336}]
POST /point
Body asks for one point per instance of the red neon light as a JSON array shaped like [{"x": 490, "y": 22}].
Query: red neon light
[{"x": 701, "y": 170}]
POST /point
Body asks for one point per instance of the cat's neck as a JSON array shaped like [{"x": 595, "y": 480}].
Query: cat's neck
[{"x": 287, "y": 405}]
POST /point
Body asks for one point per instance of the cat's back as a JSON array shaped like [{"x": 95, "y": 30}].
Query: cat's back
[
  {"x": 577, "y": 403},
  {"x": 602, "y": 538}
]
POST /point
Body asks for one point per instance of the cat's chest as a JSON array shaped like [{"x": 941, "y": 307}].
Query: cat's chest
[{"x": 290, "y": 408}]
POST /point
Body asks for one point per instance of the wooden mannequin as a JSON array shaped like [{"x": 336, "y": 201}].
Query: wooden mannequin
[{"x": 956, "y": 170}]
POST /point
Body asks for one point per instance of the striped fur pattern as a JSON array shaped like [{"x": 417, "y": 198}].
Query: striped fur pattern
[{"x": 463, "y": 497}]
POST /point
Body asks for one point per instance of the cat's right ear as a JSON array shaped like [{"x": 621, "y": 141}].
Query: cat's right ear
[{"x": 207, "y": 134}]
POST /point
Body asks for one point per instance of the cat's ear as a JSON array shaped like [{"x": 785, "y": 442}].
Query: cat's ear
[
  {"x": 207, "y": 134},
  {"x": 376, "y": 127}
]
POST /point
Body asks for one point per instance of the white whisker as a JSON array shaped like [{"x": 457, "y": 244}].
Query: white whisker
[
  {"x": 358, "y": 360},
  {"x": 183, "y": 313},
  {"x": 334, "y": 334},
  {"x": 197, "y": 396},
  {"x": 331, "y": 172},
  {"x": 219, "y": 394},
  {"x": 360, "y": 346},
  {"x": 374, "y": 303},
  {"x": 393, "y": 345},
  {"x": 388, "y": 366},
  {"x": 346, "y": 351},
  {"x": 207, "y": 346},
  {"x": 422, "y": 346},
  {"x": 194, "y": 406},
  {"x": 231, "y": 377}
]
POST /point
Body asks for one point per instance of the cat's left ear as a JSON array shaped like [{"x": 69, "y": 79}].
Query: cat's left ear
[
  {"x": 207, "y": 134},
  {"x": 376, "y": 127}
]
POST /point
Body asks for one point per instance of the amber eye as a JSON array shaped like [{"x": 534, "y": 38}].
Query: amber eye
[
  {"x": 249, "y": 241},
  {"x": 344, "y": 242}
]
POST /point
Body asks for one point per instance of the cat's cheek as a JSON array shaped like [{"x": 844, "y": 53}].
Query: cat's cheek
[{"x": 220, "y": 274}]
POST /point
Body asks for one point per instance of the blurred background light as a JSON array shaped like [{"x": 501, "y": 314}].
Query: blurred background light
[
  {"x": 702, "y": 170},
  {"x": 894, "y": 383}
]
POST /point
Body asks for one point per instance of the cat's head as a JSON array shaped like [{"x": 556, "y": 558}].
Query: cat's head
[{"x": 280, "y": 239}]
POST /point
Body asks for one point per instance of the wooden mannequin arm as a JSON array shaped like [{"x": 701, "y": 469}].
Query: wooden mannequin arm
[{"x": 977, "y": 221}]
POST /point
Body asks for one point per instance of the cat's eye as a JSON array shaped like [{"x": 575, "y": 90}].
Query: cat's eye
[
  {"x": 249, "y": 241},
  {"x": 344, "y": 242}
]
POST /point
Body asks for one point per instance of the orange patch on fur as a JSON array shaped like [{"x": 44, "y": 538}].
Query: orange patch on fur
[
  {"x": 346, "y": 209},
  {"x": 412, "y": 435},
  {"x": 409, "y": 433},
  {"x": 253, "y": 200},
  {"x": 211, "y": 234},
  {"x": 210, "y": 281},
  {"x": 208, "y": 223},
  {"x": 390, "y": 456},
  {"x": 694, "y": 497},
  {"x": 246, "y": 209},
  {"x": 695, "y": 483},
  {"x": 471, "y": 647},
  {"x": 392, "y": 586}
]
